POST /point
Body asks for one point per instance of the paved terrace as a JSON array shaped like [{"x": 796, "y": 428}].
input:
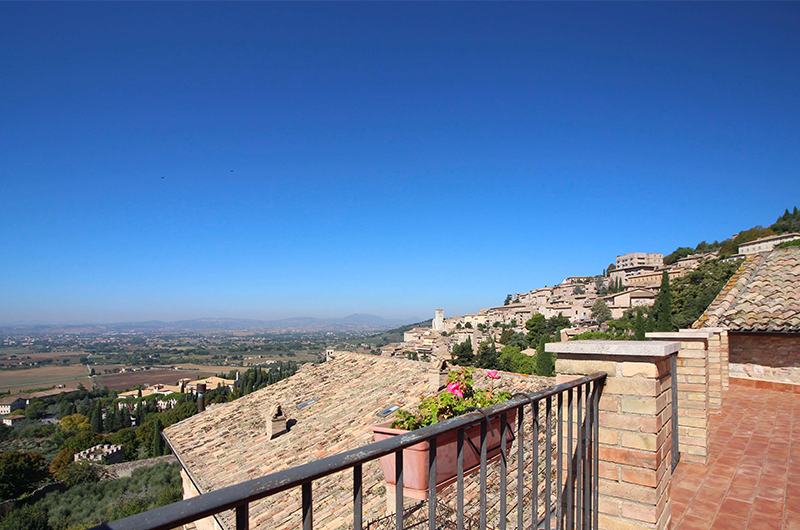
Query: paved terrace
[{"x": 752, "y": 480}]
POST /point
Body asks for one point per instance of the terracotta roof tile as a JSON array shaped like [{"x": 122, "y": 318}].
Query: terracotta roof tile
[
  {"x": 227, "y": 443},
  {"x": 763, "y": 295}
]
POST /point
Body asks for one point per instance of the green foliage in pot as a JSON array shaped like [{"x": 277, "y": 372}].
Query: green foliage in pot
[{"x": 459, "y": 395}]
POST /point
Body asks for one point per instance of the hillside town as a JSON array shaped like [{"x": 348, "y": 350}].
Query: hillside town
[{"x": 633, "y": 280}]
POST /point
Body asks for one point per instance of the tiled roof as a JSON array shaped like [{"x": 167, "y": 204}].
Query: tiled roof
[
  {"x": 763, "y": 295},
  {"x": 228, "y": 443}
]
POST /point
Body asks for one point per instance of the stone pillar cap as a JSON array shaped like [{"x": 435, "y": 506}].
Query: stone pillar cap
[
  {"x": 621, "y": 348},
  {"x": 681, "y": 335}
]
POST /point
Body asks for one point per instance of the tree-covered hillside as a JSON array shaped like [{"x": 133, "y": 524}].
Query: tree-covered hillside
[{"x": 788, "y": 222}]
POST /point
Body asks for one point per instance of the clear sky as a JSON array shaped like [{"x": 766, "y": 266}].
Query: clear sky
[{"x": 265, "y": 160}]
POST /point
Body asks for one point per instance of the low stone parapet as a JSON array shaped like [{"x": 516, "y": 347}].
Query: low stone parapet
[
  {"x": 693, "y": 391},
  {"x": 635, "y": 426}
]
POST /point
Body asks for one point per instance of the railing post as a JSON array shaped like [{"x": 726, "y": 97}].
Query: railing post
[
  {"x": 634, "y": 428},
  {"x": 693, "y": 391}
]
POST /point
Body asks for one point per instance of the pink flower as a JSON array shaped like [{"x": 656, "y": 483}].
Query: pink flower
[
  {"x": 455, "y": 389},
  {"x": 493, "y": 374}
]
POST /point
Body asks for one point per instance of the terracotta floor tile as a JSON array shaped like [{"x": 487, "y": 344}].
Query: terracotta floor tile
[
  {"x": 791, "y": 521},
  {"x": 690, "y": 482},
  {"x": 682, "y": 494},
  {"x": 779, "y": 481},
  {"x": 703, "y": 508},
  {"x": 748, "y": 470},
  {"x": 753, "y": 475},
  {"x": 762, "y": 522},
  {"x": 727, "y": 522},
  {"x": 715, "y": 481},
  {"x": 770, "y": 492},
  {"x": 713, "y": 494},
  {"x": 692, "y": 523},
  {"x": 767, "y": 506},
  {"x": 735, "y": 508}
]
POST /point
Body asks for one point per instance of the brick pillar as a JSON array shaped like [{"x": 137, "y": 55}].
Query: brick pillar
[
  {"x": 693, "y": 391},
  {"x": 635, "y": 427},
  {"x": 724, "y": 356},
  {"x": 717, "y": 367}
]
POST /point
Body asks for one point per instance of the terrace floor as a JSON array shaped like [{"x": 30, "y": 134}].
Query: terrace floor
[{"x": 752, "y": 480}]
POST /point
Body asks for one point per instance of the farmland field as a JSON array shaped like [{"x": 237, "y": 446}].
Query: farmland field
[
  {"x": 149, "y": 377},
  {"x": 44, "y": 376}
]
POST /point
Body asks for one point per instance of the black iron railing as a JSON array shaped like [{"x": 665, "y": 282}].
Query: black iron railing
[{"x": 556, "y": 464}]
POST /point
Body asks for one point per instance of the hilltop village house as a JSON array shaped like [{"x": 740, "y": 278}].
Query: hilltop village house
[{"x": 640, "y": 274}]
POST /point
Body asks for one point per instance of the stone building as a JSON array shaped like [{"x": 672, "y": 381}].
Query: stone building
[
  {"x": 9, "y": 404},
  {"x": 766, "y": 244},
  {"x": 101, "y": 454}
]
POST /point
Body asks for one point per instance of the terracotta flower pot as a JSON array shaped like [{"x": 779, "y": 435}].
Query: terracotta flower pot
[{"x": 415, "y": 458}]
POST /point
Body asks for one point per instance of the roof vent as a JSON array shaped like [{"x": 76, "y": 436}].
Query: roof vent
[
  {"x": 437, "y": 375},
  {"x": 276, "y": 421}
]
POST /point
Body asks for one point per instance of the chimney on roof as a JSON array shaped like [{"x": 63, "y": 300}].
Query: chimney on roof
[
  {"x": 276, "y": 421},
  {"x": 437, "y": 375},
  {"x": 201, "y": 397}
]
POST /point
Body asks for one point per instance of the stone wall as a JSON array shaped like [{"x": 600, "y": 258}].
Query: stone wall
[
  {"x": 125, "y": 469},
  {"x": 775, "y": 350},
  {"x": 635, "y": 427}
]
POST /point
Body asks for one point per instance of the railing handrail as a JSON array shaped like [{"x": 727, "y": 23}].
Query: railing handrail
[{"x": 243, "y": 493}]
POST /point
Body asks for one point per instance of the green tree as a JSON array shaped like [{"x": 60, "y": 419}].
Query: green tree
[
  {"x": 518, "y": 340},
  {"x": 506, "y": 336},
  {"x": 536, "y": 327},
  {"x": 35, "y": 409},
  {"x": 639, "y": 326},
  {"x": 578, "y": 290},
  {"x": 80, "y": 472},
  {"x": 20, "y": 472},
  {"x": 487, "y": 355},
  {"x": 513, "y": 360},
  {"x": 508, "y": 300},
  {"x": 663, "y": 306},
  {"x": 28, "y": 517},
  {"x": 127, "y": 439},
  {"x": 554, "y": 326},
  {"x": 158, "y": 440},
  {"x": 545, "y": 365},
  {"x": 97, "y": 418},
  {"x": 600, "y": 311},
  {"x": 462, "y": 353}
]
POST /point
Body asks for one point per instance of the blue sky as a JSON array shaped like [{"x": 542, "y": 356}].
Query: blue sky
[{"x": 266, "y": 160}]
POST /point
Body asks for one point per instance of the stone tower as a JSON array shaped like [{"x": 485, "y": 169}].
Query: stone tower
[{"x": 438, "y": 321}]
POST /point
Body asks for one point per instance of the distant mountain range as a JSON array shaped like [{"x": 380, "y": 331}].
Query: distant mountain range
[{"x": 354, "y": 322}]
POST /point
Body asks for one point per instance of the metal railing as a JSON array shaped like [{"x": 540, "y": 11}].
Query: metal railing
[{"x": 563, "y": 428}]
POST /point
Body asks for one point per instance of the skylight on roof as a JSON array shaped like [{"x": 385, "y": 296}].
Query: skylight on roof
[
  {"x": 386, "y": 412},
  {"x": 307, "y": 403}
]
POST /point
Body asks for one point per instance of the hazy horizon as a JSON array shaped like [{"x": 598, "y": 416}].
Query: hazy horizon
[{"x": 172, "y": 161}]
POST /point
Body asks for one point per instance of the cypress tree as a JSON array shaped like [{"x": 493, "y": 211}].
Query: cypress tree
[
  {"x": 462, "y": 353},
  {"x": 126, "y": 417},
  {"x": 544, "y": 360},
  {"x": 663, "y": 306},
  {"x": 140, "y": 413},
  {"x": 638, "y": 326},
  {"x": 97, "y": 418},
  {"x": 158, "y": 440}
]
